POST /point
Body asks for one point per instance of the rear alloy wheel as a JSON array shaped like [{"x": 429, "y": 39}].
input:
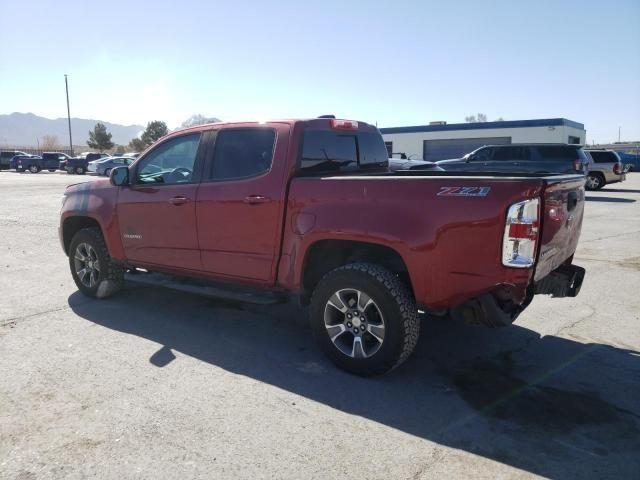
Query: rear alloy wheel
[
  {"x": 92, "y": 269},
  {"x": 34, "y": 168},
  {"x": 595, "y": 181},
  {"x": 107, "y": 172},
  {"x": 364, "y": 318},
  {"x": 80, "y": 170}
]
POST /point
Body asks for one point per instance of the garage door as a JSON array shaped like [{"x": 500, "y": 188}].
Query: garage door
[{"x": 434, "y": 150}]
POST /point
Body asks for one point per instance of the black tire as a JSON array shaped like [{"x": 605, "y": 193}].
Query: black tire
[
  {"x": 110, "y": 277},
  {"x": 595, "y": 181},
  {"x": 21, "y": 170},
  {"x": 80, "y": 170},
  {"x": 107, "y": 172},
  {"x": 34, "y": 168},
  {"x": 392, "y": 299},
  {"x": 69, "y": 170}
]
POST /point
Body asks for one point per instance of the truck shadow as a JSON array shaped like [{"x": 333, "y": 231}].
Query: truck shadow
[{"x": 548, "y": 405}]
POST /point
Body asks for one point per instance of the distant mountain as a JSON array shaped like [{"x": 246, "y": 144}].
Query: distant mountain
[{"x": 26, "y": 129}]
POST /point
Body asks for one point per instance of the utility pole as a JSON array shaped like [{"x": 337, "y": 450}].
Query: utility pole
[{"x": 66, "y": 84}]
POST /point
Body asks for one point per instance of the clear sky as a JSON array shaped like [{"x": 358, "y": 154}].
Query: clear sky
[{"x": 392, "y": 62}]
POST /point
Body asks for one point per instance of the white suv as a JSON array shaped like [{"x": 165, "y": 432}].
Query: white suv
[{"x": 604, "y": 167}]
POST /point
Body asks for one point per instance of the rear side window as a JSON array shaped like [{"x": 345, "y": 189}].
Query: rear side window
[
  {"x": 510, "y": 153},
  {"x": 559, "y": 152},
  {"x": 242, "y": 153},
  {"x": 326, "y": 151},
  {"x": 604, "y": 157}
]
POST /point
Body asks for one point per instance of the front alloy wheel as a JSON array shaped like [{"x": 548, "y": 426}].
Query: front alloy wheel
[{"x": 87, "y": 265}]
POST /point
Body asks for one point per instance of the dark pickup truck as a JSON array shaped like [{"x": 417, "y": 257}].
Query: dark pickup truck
[
  {"x": 308, "y": 209},
  {"x": 47, "y": 161}
]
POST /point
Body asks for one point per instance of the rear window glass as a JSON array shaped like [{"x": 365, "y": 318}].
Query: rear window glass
[
  {"x": 329, "y": 151},
  {"x": 604, "y": 157},
  {"x": 559, "y": 153}
]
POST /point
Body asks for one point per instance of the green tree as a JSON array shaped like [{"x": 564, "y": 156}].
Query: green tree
[
  {"x": 153, "y": 132},
  {"x": 137, "y": 145},
  {"x": 99, "y": 138}
]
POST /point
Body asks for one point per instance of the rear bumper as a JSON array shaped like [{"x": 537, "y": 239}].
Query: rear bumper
[{"x": 489, "y": 310}]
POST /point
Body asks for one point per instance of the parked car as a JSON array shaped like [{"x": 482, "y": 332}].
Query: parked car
[
  {"x": 604, "y": 167},
  {"x": 522, "y": 158},
  {"x": 7, "y": 155},
  {"x": 105, "y": 165},
  {"x": 630, "y": 161},
  {"x": 307, "y": 209},
  {"x": 47, "y": 161},
  {"x": 16, "y": 161},
  {"x": 80, "y": 164},
  {"x": 398, "y": 164}
]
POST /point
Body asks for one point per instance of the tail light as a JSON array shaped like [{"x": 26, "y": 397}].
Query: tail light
[
  {"x": 617, "y": 168},
  {"x": 344, "y": 124},
  {"x": 521, "y": 234},
  {"x": 577, "y": 165}
]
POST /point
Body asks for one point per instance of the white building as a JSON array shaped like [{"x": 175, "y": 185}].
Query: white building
[{"x": 439, "y": 141}]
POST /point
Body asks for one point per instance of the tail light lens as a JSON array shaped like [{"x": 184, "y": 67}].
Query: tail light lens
[
  {"x": 577, "y": 165},
  {"x": 617, "y": 169},
  {"x": 521, "y": 234}
]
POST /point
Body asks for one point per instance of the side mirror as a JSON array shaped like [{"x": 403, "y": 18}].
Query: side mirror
[{"x": 119, "y": 176}]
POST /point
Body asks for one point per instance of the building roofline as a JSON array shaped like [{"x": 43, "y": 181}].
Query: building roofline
[{"x": 545, "y": 122}]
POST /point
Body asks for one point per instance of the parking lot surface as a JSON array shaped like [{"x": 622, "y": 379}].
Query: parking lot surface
[{"x": 159, "y": 384}]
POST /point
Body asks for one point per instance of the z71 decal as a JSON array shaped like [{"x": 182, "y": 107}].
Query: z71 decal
[{"x": 464, "y": 191}]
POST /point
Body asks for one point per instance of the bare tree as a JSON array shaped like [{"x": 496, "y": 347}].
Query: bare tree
[
  {"x": 480, "y": 118},
  {"x": 50, "y": 142}
]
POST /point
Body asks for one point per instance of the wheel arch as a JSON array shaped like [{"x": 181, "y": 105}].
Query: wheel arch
[
  {"x": 326, "y": 255},
  {"x": 73, "y": 224}
]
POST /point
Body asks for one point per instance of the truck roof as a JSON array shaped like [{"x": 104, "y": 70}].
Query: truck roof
[{"x": 319, "y": 122}]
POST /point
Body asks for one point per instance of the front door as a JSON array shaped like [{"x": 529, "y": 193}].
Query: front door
[
  {"x": 157, "y": 211},
  {"x": 241, "y": 203}
]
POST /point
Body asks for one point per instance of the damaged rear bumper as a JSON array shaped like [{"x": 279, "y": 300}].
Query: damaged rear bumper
[{"x": 487, "y": 309}]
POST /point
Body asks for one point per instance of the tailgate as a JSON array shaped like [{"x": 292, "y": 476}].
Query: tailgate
[{"x": 563, "y": 208}]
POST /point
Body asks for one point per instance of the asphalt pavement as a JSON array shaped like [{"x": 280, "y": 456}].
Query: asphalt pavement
[{"x": 156, "y": 384}]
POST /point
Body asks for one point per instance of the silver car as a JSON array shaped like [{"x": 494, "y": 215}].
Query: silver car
[
  {"x": 604, "y": 167},
  {"x": 104, "y": 167}
]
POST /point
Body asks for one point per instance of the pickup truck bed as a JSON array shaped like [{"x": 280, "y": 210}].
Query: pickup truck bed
[{"x": 324, "y": 220}]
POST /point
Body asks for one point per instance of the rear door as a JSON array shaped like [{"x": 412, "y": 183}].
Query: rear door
[
  {"x": 157, "y": 213},
  {"x": 241, "y": 201},
  {"x": 561, "y": 222}
]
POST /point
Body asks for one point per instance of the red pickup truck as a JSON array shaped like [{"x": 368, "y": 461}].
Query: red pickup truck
[{"x": 309, "y": 209}]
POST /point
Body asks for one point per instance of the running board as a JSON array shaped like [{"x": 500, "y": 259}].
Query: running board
[{"x": 207, "y": 289}]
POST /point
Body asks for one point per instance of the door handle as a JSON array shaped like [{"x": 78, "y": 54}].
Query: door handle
[
  {"x": 255, "y": 199},
  {"x": 179, "y": 200}
]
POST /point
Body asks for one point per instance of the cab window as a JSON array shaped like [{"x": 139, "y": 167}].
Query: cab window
[{"x": 172, "y": 162}]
